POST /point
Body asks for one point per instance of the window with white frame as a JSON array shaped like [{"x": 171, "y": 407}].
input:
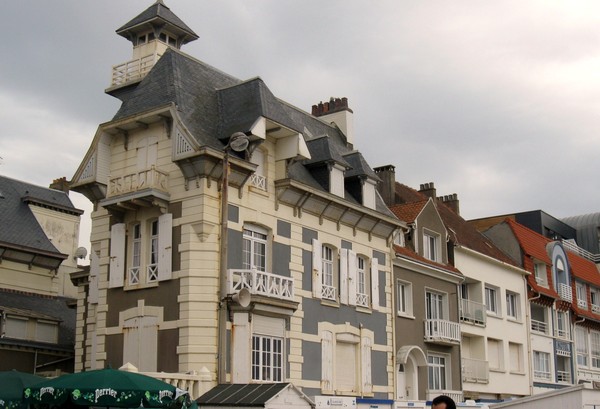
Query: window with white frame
[
  {"x": 541, "y": 365},
  {"x": 512, "y": 305},
  {"x": 562, "y": 325},
  {"x": 595, "y": 348},
  {"x": 362, "y": 296},
  {"x": 435, "y": 305},
  {"x": 595, "y": 299},
  {"x": 327, "y": 284},
  {"x": 404, "y": 298},
  {"x": 438, "y": 371},
  {"x": 541, "y": 275},
  {"x": 515, "y": 351},
  {"x": 581, "y": 345},
  {"x": 495, "y": 354},
  {"x": 267, "y": 358},
  {"x": 149, "y": 251},
  {"x": 581, "y": 294},
  {"x": 491, "y": 300},
  {"x": 431, "y": 250},
  {"x": 31, "y": 329},
  {"x": 539, "y": 318},
  {"x": 254, "y": 248}
]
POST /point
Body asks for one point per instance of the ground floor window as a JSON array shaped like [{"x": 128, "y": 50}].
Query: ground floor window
[{"x": 267, "y": 358}]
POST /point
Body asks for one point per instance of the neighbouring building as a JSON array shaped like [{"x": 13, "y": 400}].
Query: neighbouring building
[
  {"x": 38, "y": 251},
  {"x": 587, "y": 228},
  {"x": 232, "y": 232}
]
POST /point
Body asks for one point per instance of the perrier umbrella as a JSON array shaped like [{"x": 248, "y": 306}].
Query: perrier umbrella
[
  {"x": 107, "y": 387},
  {"x": 12, "y": 384}
]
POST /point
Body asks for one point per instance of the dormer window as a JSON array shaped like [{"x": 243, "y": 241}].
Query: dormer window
[
  {"x": 431, "y": 246},
  {"x": 145, "y": 38},
  {"x": 167, "y": 39},
  {"x": 368, "y": 194}
]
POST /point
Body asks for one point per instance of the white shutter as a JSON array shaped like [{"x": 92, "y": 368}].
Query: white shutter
[
  {"x": 344, "y": 276},
  {"x": 264, "y": 325},
  {"x": 346, "y": 367},
  {"x": 375, "y": 283},
  {"x": 327, "y": 361},
  {"x": 117, "y": 255},
  {"x": 317, "y": 264},
  {"x": 94, "y": 270},
  {"x": 367, "y": 386},
  {"x": 165, "y": 245},
  {"x": 352, "y": 277},
  {"x": 131, "y": 341},
  {"x": 148, "y": 344}
]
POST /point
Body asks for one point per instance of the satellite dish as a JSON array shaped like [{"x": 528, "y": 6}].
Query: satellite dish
[
  {"x": 81, "y": 252},
  {"x": 242, "y": 298},
  {"x": 239, "y": 142}
]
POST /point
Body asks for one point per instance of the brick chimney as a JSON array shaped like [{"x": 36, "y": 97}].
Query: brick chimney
[
  {"x": 60, "y": 184},
  {"x": 451, "y": 201},
  {"x": 337, "y": 111},
  {"x": 387, "y": 186},
  {"x": 428, "y": 189}
]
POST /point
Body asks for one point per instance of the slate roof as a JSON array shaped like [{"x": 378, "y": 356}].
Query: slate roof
[
  {"x": 359, "y": 166},
  {"x": 20, "y": 228},
  {"x": 460, "y": 231},
  {"x": 253, "y": 394},
  {"x": 42, "y": 306},
  {"x": 161, "y": 14},
  {"x": 212, "y": 104}
]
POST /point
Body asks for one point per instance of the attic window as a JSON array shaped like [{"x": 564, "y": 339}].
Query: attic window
[
  {"x": 336, "y": 181},
  {"x": 167, "y": 39}
]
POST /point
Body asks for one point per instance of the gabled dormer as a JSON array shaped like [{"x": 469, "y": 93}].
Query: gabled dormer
[
  {"x": 360, "y": 180},
  {"x": 152, "y": 32}
]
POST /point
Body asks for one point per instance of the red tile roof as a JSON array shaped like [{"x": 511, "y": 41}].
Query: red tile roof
[
  {"x": 408, "y": 212},
  {"x": 584, "y": 269},
  {"x": 532, "y": 243}
]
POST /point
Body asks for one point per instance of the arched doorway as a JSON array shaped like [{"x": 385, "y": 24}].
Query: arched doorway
[{"x": 408, "y": 360}]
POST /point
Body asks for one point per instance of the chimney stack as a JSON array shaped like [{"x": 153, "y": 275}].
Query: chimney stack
[
  {"x": 451, "y": 201},
  {"x": 337, "y": 111},
  {"x": 428, "y": 189},
  {"x": 60, "y": 184},
  {"x": 387, "y": 185}
]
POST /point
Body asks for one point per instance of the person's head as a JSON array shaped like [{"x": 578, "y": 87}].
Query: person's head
[{"x": 443, "y": 402}]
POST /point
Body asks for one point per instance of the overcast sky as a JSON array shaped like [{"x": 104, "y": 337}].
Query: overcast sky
[{"x": 497, "y": 101}]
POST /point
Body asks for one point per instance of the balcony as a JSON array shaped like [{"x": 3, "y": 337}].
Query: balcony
[
  {"x": 570, "y": 245},
  {"x": 442, "y": 332},
  {"x": 261, "y": 283},
  {"x": 457, "y": 396},
  {"x": 145, "y": 188},
  {"x": 195, "y": 383},
  {"x": 475, "y": 370},
  {"x": 564, "y": 292},
  {"x": 133, "y": 70},
  {"x": 541, "y": 375},
  {"x": 563, "y": 376},
  {"x": 539, "y": 326},
  {"x": 473, "y": 312}
]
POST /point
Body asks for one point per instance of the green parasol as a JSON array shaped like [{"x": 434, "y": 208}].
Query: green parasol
[
  {"x": 107, "y": 387},
  {"x": 12, "y": 384}
]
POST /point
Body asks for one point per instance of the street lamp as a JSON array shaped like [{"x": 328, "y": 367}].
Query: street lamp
[{"x": 238, "y": 142}]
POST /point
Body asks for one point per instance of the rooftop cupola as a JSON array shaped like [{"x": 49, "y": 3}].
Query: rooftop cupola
[{"x": 151, "y": 33}]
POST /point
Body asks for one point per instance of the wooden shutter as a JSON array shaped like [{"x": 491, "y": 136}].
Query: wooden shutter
[
  {"x": 344, "y": 276},
  {"x": 117, "y": 255},
  {"x": 94, "y": 270},
  {"x": 352, "y": 277},
  {"x": 148, "y": 346},
  {"x": 367, "y": 386},
  {"x": 375, "y": 283},
  {"x": 326, "y": 361},
  {"x": 317, "y": 261},
  {"x": 165, "y": 245},
  {"x": 131, "y": 341}
]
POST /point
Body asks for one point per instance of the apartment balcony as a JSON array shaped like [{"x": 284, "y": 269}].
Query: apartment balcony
[
  {"x": 564, "y": 291},
  {"x": 442, "y": 332},
  {"x": 570, "y": 245},
  {"x": 265, "y": 288},
  {"x": 457, "y": 396},
  {"x": 563, "y": 376},
  {"x": 540, "y": 327},
  {"x": 145, "y": 188},
  {"x": 472, "y": 312},
  {"x": 475, "y": 370},
  {"x": 132, "y": 71}
]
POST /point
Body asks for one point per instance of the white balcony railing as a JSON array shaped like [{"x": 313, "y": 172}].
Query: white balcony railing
[
  {"x": 133, "y": 70},
  {"x": 472, "y": 311},
  {"x": 442, "y": 331},
  {"x": 362, "y": 299},
  {"x": 539, "y": 326},
  {"x": 196, "y": 383},
  {"x": 133, "y": 182},
  {"x": 563, "y": 376},
  {"x": 328, "y": 292},
  {"x": 475, "y": 370},
  {"x": 565, "y": 292},
  {"x": 582, "y": 303},
  {"x": 573, "y": 247},
  {"x": 542, "y": 375},
  {"x": 262, "y": 283},
  {"x": 258, "y": 181},
  {"x": 457, "y": 396},
  {"x": 596, "y": 308}
]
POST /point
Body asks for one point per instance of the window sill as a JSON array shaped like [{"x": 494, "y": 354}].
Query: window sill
[
  {"x": 517, "y": 373},
  {"x": 494, "y": 315},
  {"x": 407, "y": 316},
  {"x": 515, "y": 320},
  {"x": 330, "y": 303},
  {"x": 498, "y": 370},
  {"x": 140, "y": 286},
  {"x": 258, "y": 191},
  {"x": 364, "y": 310}
]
